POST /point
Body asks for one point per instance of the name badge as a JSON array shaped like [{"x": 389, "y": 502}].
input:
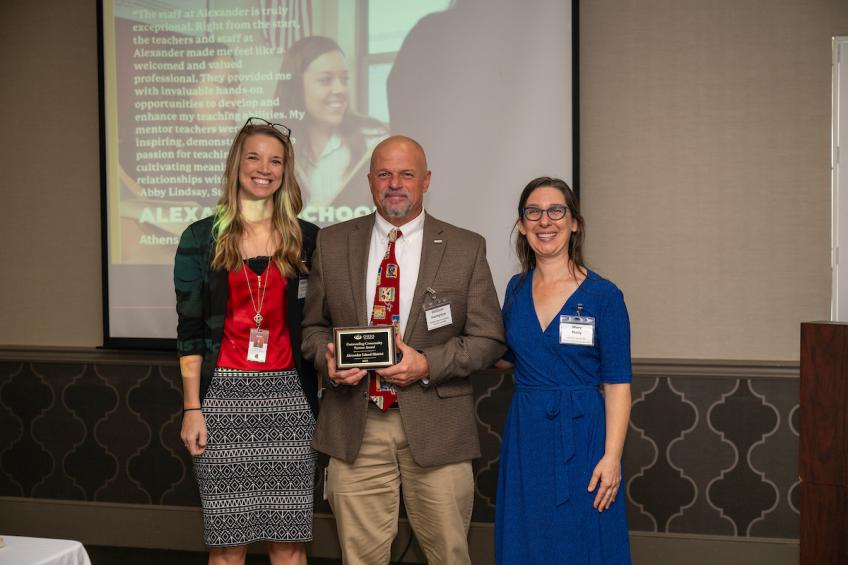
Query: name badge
[
  {"x": 436, "y": 311},
  {"x": 302, "y": 285},
  {"x": 577, "y": 330},
  {"x": 257, "y": 348},
  {"x": 438, "y": 317}
]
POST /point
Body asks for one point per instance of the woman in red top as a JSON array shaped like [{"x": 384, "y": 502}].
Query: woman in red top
[{"x": 248, "y": 398}]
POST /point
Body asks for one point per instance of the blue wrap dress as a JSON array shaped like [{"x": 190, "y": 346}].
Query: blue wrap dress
[{"x": 555, "y": 431}]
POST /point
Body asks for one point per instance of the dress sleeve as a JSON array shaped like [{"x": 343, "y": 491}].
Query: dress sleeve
[
  {"x": 188, "y": 285},
  {"x": 508, "y": 305},
  {"x": 613, "y": 331}
]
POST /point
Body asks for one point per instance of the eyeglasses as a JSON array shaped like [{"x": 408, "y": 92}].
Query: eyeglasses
[
  {"x": 533, "y": 214},
  {"x": 261, "y": 122}
]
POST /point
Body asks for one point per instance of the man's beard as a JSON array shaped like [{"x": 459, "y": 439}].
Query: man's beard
[{"x": 397, "y": 212}]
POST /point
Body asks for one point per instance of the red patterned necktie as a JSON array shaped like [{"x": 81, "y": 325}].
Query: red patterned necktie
[{"x": 386, "y": 310}]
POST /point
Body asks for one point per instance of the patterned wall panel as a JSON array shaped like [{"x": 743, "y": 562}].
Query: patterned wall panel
[
  {"x": 712, "y": 448},
  {"x": 95, "y": 432},
  {"x": 714, "y": 456}
]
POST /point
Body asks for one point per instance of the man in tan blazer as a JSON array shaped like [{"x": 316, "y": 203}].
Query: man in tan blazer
[{"x": 425, "y": 441}]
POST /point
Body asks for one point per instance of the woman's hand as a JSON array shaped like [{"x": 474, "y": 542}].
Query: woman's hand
[
  {"x": 607, "y": 478},
  {"x": 607, "y": 474},
  {"x": 503, "y": 365},
  {"x": 193, "y": 432}
]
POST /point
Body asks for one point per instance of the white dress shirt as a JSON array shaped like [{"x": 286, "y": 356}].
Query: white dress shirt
[
  {"x": 324, "y": 179},
  {"x": 408, "y": 254},
  {"x": 328, "y": 176}
]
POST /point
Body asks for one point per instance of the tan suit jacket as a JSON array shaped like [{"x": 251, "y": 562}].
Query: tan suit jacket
[{"x": 438, "y": 418}]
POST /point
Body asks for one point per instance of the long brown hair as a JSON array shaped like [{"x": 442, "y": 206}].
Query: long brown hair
[
  {"x": 296, "y": 60},
  {"x": 575, "y": 243},
  {"x": 229, "y": 226}
]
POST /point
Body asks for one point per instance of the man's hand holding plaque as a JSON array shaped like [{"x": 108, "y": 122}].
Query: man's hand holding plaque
[
  {"x": 356, "y": 349},
  {"x": 370, "y": 347},
  {"x": 341, "y": 376},
  {"x": 413, "y": 366}
]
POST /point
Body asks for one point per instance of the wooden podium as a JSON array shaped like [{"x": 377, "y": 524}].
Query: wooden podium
[{"x": 823, "y": 465}]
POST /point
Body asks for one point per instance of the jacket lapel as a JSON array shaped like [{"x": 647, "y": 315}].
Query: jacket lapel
[
  {"x": 431, "y": 258},
  {"x": 357, "y": 255}
]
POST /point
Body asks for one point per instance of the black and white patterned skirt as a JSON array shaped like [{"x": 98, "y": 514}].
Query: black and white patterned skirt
[{"x": 256, "y": 476}]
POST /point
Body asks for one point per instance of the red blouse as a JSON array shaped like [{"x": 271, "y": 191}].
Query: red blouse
[{"x": 239, "y": 321}]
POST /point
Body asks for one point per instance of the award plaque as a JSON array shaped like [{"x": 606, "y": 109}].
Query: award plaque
[{"x": 367, "y": 347}]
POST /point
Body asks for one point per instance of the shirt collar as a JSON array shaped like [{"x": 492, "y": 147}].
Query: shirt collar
[
  {"x": 410, "y": 229},
  {"x": 333, "y": 144}
]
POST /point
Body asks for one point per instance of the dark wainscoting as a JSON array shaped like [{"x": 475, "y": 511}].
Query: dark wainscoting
[{"x": 711, "y": 453}]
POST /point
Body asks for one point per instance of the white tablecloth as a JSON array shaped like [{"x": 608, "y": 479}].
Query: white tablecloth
[{"x": 42, "y": 551}]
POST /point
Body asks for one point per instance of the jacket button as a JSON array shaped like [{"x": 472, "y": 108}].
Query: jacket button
[{"x": 365, "y": 394}]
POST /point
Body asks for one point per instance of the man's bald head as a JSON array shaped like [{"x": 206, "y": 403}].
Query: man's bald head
[{"x": 400, "y": 140}]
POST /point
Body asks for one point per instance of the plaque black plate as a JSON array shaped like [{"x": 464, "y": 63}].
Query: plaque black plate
[{"x": 367, "y": 347}]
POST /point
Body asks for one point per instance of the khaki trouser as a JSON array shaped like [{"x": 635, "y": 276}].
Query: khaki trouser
[{"x": 365, "y": 498}]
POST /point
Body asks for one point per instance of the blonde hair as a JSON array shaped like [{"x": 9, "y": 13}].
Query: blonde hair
[{"x": 229, "y": 227}]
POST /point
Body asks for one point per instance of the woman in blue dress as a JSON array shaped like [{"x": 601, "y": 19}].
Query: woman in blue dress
[{"x": 569, "y": 337}]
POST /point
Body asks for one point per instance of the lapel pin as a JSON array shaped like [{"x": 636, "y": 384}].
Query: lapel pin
[{"x": 437, "y": 241}]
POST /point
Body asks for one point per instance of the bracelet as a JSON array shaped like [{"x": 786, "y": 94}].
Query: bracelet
[{"x": 190, "y": 409}]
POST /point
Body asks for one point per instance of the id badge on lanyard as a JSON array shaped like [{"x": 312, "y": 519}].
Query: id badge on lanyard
[
  {"x": 257, "y": 347},
  {"x": 257, "y": 343},
  {"x": 577, "y": 329}
]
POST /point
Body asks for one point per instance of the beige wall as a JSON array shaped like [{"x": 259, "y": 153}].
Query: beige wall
[
  {"x": 49, "y": 156},
  {"x": 705, "y": 170}
]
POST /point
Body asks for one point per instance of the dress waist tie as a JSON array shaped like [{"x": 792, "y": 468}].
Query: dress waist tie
[{"x": 560, "y": 410}]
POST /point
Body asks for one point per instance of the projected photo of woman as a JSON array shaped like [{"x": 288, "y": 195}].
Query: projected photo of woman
[
  {"x": 560, "y": 497},
  {"x": 249, "y": 399},
  {"x": 332, "y": 143}
]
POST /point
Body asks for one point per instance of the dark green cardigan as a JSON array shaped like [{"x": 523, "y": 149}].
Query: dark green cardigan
[{"x": 202, "y": 304}]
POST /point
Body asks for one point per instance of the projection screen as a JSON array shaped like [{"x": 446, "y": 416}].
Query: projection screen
[{"x": 484, "y": 85}]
